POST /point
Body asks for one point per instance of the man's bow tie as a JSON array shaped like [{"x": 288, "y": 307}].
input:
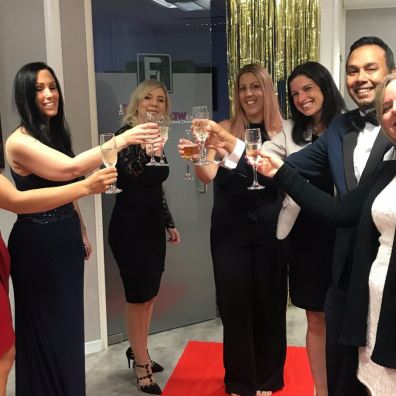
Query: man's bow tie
[{"x": 359, "y": 121}]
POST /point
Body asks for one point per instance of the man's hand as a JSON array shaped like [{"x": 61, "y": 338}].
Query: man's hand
[
  {"x": 267, "y": 164},
  {"x": 220, "y": 139}
]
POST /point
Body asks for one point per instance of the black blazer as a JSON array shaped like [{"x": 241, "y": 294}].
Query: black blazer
[
  {"x": 354, "y": 208},
  {"x": 334, "y": 151}
]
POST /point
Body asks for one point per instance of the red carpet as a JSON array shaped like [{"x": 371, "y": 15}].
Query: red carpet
[{"x": 200, "y": 372}]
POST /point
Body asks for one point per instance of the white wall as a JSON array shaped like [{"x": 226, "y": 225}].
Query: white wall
[
  {"x": 17, "y": 47},
  {"x": 23, "y": 39},
  {"x": 369, "y": 22}
]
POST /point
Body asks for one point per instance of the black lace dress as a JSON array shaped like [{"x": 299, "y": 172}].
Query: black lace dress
[{"x": 137, "y": 234}]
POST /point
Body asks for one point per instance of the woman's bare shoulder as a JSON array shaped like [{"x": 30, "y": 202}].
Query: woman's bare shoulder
[{"x": 19, "y": 139}]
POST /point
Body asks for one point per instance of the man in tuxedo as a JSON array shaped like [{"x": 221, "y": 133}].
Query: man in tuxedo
[{"x": 351, "y": 149}]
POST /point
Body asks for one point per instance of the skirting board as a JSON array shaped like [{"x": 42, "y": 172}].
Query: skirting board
[{"x": 93, "y": 346}]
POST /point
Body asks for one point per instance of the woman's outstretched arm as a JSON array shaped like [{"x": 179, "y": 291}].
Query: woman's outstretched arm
[{"x": 49, "y": 198}]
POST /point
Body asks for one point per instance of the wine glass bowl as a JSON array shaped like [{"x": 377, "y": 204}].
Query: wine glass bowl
[
  {"x": 253, "y": 146},
  {"x": 108, "y": 150},
  {"x": 152, "y": 116},
  {"x": 164, "y": 133},
  {"x": 190, "y": 151},
  {"x": 201, "y": 116}
]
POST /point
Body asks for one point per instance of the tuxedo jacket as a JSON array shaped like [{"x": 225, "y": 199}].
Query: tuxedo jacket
[
  {"x": 333, "y": 152},
  {"x": 354, "y": 208}
]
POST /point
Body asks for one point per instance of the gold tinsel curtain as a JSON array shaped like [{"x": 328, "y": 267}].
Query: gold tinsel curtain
[{"x": 278, "y": 34}]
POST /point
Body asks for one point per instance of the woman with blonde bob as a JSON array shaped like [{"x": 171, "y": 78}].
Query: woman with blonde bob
[
  {"x": 137, "y": 229},
  {"x": 249, "y": 275},
  {"x": 371, "y": 305}
]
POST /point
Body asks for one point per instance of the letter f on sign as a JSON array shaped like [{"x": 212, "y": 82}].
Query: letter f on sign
[{"x": 152, "y": 74}]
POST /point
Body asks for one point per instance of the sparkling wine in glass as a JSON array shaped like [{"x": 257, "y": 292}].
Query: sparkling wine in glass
[
  {"x": 108, "y": 149},
  {"x": 151, "y": 116},
  {"x": 253, "y": 146},
  {"x": 201, "y": 115},
  {"x": 190, "y": 150},
  {"x": 164, "y": 133}
]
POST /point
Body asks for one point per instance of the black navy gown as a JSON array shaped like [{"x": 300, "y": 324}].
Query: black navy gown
[
  {"x": 250, "y": 280},
  {"x": 47, "y": 269},
  {"x": 137, "y": 227},
  {"x": 311, "y": 252}
]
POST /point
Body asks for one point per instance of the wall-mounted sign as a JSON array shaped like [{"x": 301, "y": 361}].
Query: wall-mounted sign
[{"x": 155, "y": 67}]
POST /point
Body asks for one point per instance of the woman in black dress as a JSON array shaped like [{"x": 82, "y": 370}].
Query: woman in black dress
[
  {"x": 47, "y": 248},
  {"x": 137, "y": 229},
  {"x": 250, "y": 277}
]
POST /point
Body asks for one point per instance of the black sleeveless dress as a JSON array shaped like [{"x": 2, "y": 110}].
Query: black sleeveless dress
[
  {"x": 138, "y": 221},
  {"x": 47, "y": 269}
]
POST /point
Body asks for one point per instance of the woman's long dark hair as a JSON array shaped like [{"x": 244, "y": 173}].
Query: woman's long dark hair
[
  {"x": 333, "y": 103},
  {"x": 53, "y": 132}
]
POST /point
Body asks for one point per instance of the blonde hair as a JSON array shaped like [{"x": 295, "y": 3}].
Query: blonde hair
[
  {"x": 379, "y": 102},
  {"x": 143, "y": 89},
  {"x": 271, "y": 113}
]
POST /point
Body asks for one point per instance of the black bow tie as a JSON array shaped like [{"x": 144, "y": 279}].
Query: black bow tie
[{"x": 359, "y": 121}]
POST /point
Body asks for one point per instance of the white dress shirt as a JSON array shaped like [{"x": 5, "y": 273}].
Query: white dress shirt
[{"x": 365, "y": 142}]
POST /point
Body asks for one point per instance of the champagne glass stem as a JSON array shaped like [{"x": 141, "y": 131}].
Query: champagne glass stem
[
  {"x": 187, "y": 175},
  {"x": 152, "y": 162},
  {"x": 152, "y": 153},
  {"x": 255, "y": 181},
  {"x": 162, "y": 162},
  {"x": 201, "y": 150}
]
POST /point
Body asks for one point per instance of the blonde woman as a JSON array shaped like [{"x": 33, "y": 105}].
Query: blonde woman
[{"x": 139, "y": 221}]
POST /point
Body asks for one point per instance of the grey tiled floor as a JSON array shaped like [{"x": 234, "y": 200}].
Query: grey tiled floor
[{"x": 108, "y": 374}]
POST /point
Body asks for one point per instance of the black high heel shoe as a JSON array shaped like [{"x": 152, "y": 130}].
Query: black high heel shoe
[
  {"x": 152, "y": 387},
  {"x": 155, "y": 367}
]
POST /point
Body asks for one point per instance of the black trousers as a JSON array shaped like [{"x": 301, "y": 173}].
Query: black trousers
[
  {"x": 341, "y": 360},
  {"x": 251, "y": 295}
]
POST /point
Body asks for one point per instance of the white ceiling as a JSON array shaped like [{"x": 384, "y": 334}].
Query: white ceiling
[{"x": 364, "y": 4}]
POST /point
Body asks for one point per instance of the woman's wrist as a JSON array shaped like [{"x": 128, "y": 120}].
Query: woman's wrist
[{"x": 121, "y": 142}]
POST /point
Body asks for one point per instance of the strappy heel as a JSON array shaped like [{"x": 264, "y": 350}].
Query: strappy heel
[
  {"x": 155, "y": 367},
  {"x": 152, "y": 387}
]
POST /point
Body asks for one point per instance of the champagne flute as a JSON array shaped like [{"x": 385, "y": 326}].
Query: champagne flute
[
  {"x": 201, "y": 115},
  {"x": 151, "y": 116},
  {"x": 164, "y": 132},
  {"x": 108, "y": 149},
  {"x": 189, "y": 151},
  {"x": 253, "y": 146}
]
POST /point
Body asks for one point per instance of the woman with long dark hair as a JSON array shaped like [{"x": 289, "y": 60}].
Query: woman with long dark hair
[
  {"x": 314, "y": 101},
  {"x": 48, "y": 272}
]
